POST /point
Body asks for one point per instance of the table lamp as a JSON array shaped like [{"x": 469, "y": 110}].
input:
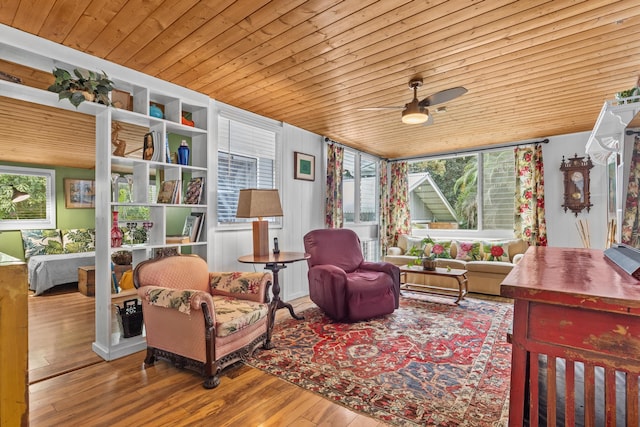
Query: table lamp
[{"x": 259, "y": 203}]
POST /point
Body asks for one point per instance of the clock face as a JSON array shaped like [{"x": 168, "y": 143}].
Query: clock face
[{"x": 577, "y": 176}]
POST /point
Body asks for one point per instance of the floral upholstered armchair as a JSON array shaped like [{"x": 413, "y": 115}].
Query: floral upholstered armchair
[{"x": 198, "y": 319}]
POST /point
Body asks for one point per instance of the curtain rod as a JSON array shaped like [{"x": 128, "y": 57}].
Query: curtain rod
[
  {"x": 475, "y": 150},
  {"x": 328, "y": 140},
  {"x": 331, "y": 141}
]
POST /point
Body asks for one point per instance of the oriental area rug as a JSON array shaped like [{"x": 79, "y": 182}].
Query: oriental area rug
[{"x": 427, "y": 364}]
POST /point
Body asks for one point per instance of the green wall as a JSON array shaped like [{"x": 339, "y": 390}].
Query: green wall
[{"x": 11, "y": 241}]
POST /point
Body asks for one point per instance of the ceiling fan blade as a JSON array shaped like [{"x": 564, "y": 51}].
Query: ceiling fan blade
[
  {"x": 429, "y": 121},
  {"x": 380, "y": 108},
  {"x": 443, "y": 96}
]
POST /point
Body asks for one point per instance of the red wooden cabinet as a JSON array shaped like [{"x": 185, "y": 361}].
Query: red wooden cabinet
[{"x": 576, "y": 306}]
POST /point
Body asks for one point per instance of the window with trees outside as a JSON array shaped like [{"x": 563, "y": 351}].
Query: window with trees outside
[
  {"x": 469, "y": 192},
  {"x": 39, "y": 210}
]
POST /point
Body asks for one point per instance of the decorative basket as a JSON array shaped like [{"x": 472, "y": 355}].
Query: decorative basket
[
  {"x": 130, "y": 318},
  {"x": 121, "y": 257},
  {"x": 428, "y": 264}
]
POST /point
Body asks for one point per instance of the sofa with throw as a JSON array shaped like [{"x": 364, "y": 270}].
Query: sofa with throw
[
  {"x": 198, "y": 319},
  {"x": 342, "y": 283}
]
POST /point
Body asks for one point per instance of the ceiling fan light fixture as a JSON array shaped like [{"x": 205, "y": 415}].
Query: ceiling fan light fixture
[{"x": 414, "y": 115}]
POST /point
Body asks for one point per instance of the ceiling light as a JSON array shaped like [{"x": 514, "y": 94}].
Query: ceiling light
[{"x": 414, "y": 114}]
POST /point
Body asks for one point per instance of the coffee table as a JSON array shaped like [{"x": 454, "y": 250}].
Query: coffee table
[{"x": 458, "y": 274}]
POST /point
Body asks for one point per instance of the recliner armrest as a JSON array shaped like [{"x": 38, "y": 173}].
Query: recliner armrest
[{"x": 391, "y": 269}]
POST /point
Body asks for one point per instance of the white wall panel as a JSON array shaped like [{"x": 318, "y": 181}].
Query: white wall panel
[{"x": 561, "y": 225}]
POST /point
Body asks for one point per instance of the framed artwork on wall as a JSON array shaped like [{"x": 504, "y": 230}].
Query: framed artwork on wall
[
  {"x": 305, "y": 166},
  {"x": 79, "y": 193}
]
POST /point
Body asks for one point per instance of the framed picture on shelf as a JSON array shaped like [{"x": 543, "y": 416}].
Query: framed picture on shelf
[
  {"x": 121, "y": 99},
  {"x": 192, "y": 224},
  {"x": 79, "y": 193},
  {"x": 168, "y": 191},
  {"x": 193, "y": 192},
  {"x": 148, "y": 146},
  {"x": 305, "y": 166}
]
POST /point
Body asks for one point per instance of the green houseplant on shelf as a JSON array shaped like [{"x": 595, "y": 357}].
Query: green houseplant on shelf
[
  {"x": 82, "y": 85},
  {"x": 427, "y": 261}
]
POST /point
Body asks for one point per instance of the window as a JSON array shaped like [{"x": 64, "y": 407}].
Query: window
[
  {"x": 247, "y": 158},
  {"x": 135, "y": 213},
  {"x": 368, "y": 185},
  {"x": 472, "y": 192},
  {"x": 359, "y": 187},
  {"x": 39, "y": 210}
]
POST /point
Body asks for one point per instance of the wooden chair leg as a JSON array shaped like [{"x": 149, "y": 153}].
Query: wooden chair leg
[{"x": 151, "y": 357}]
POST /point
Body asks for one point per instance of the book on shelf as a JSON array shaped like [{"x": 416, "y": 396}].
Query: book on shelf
[
  {"x": 178, "y": 239},
  {"x": 169, "y": 191},
  {"x": 194, "y": 190},
  {"x": 200, "y": 225},
  {"x": 193, "y": 224},
  {"x": 166, "y": 149}
]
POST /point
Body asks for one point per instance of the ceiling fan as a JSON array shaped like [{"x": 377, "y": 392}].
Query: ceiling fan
[{"x": 416, "y": 112}]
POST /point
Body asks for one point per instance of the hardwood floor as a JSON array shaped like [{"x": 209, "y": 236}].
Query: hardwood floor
[
  {"x": 71, "y": 385},
  {"x": 61, "y": 330}
]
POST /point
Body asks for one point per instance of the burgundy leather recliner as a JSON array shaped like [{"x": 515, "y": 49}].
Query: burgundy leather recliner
[{"x": 342, "y": 283}]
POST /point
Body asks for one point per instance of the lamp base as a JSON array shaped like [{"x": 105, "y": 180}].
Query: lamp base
[{"x": 260, "y": 238}]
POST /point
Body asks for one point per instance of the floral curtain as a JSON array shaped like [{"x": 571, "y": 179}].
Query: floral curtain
[
  {"x": 333, "y": 201},
  {"x": 631, "y": 220},
  {"x": 530, "y": 223},
  {"x": 383, "y": 166},
  {"x": 399, "y": 218}
]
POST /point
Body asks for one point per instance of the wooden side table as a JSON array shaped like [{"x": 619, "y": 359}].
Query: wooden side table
[{"x": 275, "y": 263}]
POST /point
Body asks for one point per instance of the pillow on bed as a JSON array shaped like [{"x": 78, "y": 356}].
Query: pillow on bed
[
  {"x": 78, "y": 240},
  {"x": 41, "y": 242}
]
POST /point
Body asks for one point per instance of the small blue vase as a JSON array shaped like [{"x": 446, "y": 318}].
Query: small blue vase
[
  {"x": 183, "y": 153},
  {"x": 155, "y": 111}
]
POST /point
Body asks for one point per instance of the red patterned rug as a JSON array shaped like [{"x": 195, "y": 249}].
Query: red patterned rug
[{"x": 426, "y": 364}]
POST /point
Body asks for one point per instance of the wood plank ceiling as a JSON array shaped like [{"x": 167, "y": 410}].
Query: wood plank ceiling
[{"x": 532, "y": 68}]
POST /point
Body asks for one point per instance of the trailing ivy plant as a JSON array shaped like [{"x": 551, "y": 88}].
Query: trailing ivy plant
[{"x": 83, "y": 85}]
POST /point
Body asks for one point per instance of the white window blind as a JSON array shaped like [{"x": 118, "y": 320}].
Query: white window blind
[
  {"x": 498, "y": 188},
  {"x": 348, "y": 186},
  {"x": 246, "y": 159},
  {"x": 368, "y": 186}
]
